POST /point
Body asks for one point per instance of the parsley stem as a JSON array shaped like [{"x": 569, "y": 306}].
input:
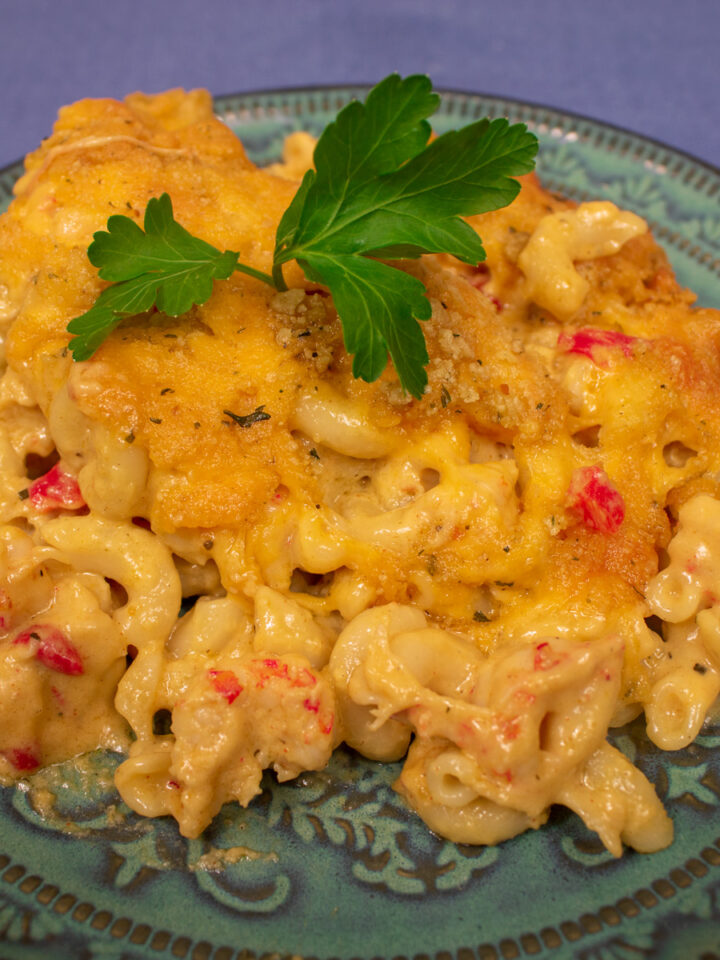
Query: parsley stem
[
  {"x": 258, "y": 274},
  {"x": 277, "y": 277}
]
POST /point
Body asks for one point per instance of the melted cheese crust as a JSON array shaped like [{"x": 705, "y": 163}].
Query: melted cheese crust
[{"x": 474, "y": 570}]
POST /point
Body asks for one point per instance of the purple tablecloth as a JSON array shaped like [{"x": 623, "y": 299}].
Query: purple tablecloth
[{"x": 648, "y": 65}]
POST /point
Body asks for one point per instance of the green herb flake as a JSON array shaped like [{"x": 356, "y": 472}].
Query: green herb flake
[
  {"x": 249, "y": 419},
  {"x": 445, "y": 397},
  {"x": 23, "y": 494},
  {"x": 315, "y": 454},
  {"x": 479, "y": 617}
]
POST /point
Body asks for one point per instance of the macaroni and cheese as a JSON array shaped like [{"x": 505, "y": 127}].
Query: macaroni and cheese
[{"x": 482, "y": 581}]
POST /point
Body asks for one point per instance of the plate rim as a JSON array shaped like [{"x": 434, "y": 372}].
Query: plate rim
[
  {"x": 443, "y": 91},
  {"x": 362, "y": 88}
]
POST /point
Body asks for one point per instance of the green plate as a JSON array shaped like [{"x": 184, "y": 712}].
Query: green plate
[{"x": 333, "y": 865}]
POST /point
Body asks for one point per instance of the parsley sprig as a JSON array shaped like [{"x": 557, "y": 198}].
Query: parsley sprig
[
  {"x": 163, "y": 266},
  {"x": 379, "y": 192}
]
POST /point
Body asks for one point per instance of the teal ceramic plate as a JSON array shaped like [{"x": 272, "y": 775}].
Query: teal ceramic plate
[{"x": 332, "y": 865}]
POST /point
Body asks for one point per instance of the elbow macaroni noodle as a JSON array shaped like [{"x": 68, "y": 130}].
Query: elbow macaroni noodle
[{"x": 480, "y": 583}]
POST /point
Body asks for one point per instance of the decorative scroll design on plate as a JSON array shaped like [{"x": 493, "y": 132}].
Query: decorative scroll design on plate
[
  {"x": 352, "y": 805},
  {"x": 632, "y": 928},
  {"x": 351, "y": 811}
]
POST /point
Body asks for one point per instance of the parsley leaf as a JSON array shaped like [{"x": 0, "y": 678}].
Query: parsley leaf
[
  {"x": 376, "y": 304},
  {"x": 378, "y": 192},
  {"x": 163, "y": 266}
]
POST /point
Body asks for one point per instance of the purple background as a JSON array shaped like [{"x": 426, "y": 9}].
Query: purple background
[{"x": 649, "y": 65}]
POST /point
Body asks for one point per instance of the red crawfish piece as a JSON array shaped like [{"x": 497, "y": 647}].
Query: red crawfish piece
[
  {"x": 5, "y": 609},
  {"x": 509, "y": 726},
  {"x": 505, "y": 775},
  {"x": 544, "y": 658},
  {"x": 56, "y": 490},
  {"x": 595, "y": 500},
  {"x": 595, "y": 344},
  {"x": 280, "y": 494},
  {"x": 494, "y": 301},
  {"x": 53, "y": 649},
  {"x": 273, "y": 669},
  {"x": 325, "y": 723},
  {"x": 22, "y": 758},
  {"x": 225, "y": 683},
  {"x": 479, "y": 278},
  {"x": 479, "y": 275},
  {"x": 269, "y": 670}
]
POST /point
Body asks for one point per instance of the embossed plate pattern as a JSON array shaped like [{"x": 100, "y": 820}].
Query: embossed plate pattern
[{"x": 333, "y": 866}]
